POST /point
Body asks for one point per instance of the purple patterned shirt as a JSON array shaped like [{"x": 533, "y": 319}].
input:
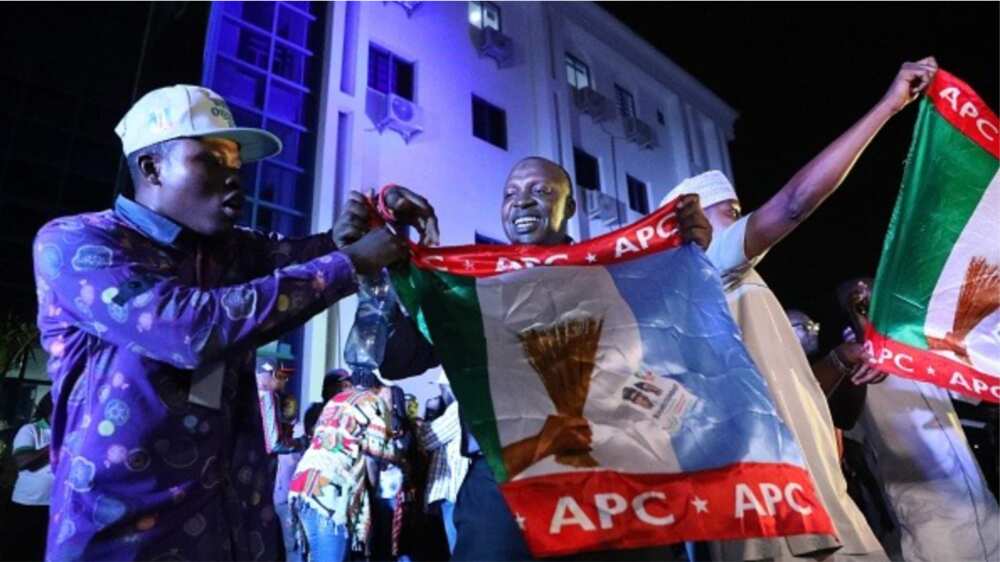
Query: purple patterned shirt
[{"x": 157, "y": 445}]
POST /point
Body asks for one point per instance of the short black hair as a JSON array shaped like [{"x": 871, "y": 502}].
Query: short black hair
[
  {"x": 565, "y": 174},
  {"x": 44, "y": 408},
  {"x": 843, "y": 291},
  {"x": 312, "y": 416},
  {"x": 363, "y": 378},
  {"x": 333, "y": 382}
]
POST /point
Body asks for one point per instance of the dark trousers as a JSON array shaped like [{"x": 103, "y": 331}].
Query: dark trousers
[
  {"x": 484, "y": 525},
  {"x": 24, "y": 536}
]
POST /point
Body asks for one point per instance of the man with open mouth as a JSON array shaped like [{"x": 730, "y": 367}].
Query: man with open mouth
[{"x": 150, "y": 313}]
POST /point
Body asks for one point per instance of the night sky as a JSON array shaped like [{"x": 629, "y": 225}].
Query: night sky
[{"x": 800, "y": 74}]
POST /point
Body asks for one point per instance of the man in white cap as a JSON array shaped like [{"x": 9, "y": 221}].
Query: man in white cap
[
  {"x": 738, "y": 243},
  {"x": 150, "y": 313}
]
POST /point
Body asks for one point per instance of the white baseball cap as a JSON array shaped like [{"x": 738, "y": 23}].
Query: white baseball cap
[
  {"x": 190, "y": 111},
  {"x": 712, "y": 187}
]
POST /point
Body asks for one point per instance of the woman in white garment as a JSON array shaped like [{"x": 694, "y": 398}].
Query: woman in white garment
[
  {"x": 928, "y": 473},
  {"x": 738, "y": 243}
]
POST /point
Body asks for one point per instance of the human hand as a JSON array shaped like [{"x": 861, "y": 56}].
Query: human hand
[
  {"x": 563, "y": 435},
  {"x": 692, "y": 222},
  {"x": 354, "y": 221},
  {"x": 912, "y": 79},
  {"x": 413, "y": 210},
  {"x": 860, "y": 362},
  {"x": 375, "y": 250}
]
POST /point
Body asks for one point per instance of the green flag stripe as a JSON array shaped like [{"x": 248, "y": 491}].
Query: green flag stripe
[
  {"x": 945, "y": 178},
  {"x": 448, "y": 306}
]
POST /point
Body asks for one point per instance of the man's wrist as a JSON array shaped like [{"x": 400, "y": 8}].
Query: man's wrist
[
  {"x": 838, "y": 363},
  {"x": 886, "y": 108}
]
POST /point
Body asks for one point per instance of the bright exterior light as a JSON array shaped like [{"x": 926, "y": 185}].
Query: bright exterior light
[{"x": 476, "y": 14}]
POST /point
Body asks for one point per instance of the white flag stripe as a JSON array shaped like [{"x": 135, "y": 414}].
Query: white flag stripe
[
  {"x": 518, "y": 300},
  {"x": 982, "y": 225}
]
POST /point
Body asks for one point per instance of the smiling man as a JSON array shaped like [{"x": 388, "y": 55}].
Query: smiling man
[
  {"x": 537, "y": 205},
  {"x": 537, "y": 201},
  {"x": 150, "y": 313}
]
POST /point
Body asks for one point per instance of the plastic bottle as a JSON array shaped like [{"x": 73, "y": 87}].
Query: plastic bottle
[{"x": 365, "y": 346}]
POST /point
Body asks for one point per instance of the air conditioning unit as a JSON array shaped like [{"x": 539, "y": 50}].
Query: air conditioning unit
[
  {"x": 404, "y": 117},
  {"x": 592, "y": 202},
  {"x": 639, "y": 132},
  {"x": 389, "y": 111},
  {"x": 604, "y": 207},
  {"x": 612, "y": 211},
  {"x": 409, "y": 7},
  {"x": 494, "y": 44},
  {"x": 593, "y": 103}
]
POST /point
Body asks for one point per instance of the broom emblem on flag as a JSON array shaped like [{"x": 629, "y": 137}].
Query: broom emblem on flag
[
  {"x": 563, "y": 354},
  {"x": 978, "y": 298}
]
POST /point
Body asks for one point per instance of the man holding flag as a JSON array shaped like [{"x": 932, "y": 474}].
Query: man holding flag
[
  {"x": 935, "y": 324},
  {"x": 738, "y": 245},
  {"x": 614, "y": 407},
  {"x": 537, "y": 205}
]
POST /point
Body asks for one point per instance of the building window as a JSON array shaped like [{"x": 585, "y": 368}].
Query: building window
[
  {"x": 660, "y": 119},
  {"x": 577, "y": 73},
  {"x": 588, "y": 174},
  {"x": 638, "y": 198},
  {"x": 263, "y": 58},
  {"x": 626, "y": 103},
  {"x": 484, "y": 14},
  {"x": 489, "y": 122},
  {"x": 388, "y": 73}
]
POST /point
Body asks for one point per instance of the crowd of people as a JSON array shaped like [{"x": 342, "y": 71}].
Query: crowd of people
[{"x": 171, "y": 440}]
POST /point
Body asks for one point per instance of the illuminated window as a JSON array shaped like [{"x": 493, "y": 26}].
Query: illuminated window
[
  {"x": 484, "y": 14},
  {"x": 638, "y": 197},
  {"x": 388, "y": 73},
  {"x": 489, "y": 122},
  {"x": 626, "y": 103},
  {"x": 577, "y": 73}
]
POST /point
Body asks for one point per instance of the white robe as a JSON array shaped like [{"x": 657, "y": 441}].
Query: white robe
[
  {"x": 771, "y": 341},
  {"x": 929, "y": 475}
]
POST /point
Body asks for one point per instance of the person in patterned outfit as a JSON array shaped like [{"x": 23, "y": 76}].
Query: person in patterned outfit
[
  {"x": 333, "y": 486},
  {"x": 150, "y": 313}
]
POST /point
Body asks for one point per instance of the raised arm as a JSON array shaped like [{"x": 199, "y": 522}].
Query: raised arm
[
  {"x": 823, "y": 174},
  {"x": 119, "y": 297},
  {"x": 281, "y": 251}
]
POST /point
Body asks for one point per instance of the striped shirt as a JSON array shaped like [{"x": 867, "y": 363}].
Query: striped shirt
[{"x": 441, "y": 439}]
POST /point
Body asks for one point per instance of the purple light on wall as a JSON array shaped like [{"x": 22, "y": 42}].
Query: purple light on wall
[{"x": 262, "y": 58}]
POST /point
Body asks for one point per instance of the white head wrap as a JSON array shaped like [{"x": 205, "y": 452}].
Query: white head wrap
[{"x": 712, "y": 187}]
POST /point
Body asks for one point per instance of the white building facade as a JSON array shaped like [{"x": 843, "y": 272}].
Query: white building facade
[{"x": 445, "y": 97}]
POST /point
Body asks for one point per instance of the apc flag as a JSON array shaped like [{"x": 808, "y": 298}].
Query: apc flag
[
  {"x": 935, "y": 312},
  {"x": 608, "y": 388}
]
